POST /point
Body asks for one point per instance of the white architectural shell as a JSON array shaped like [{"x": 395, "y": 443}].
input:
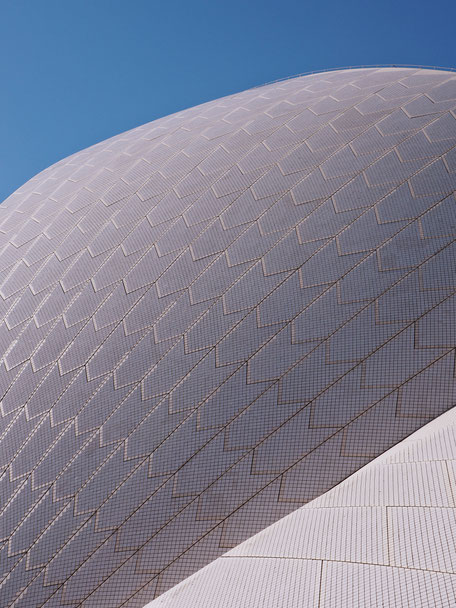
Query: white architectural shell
[
  {"x": 212, "y": 320},
  {"x": 384, "y": 538}
]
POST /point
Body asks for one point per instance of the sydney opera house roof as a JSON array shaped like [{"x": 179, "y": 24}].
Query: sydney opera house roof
[
  {"x": 385, "y": 537},
  {"x": 220, "y": 317}
]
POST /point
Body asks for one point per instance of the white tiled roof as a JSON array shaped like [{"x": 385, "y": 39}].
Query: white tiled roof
[{"x": 383, "y": 538}]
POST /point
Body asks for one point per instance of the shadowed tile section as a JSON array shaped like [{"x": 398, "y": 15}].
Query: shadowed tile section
[{"x": 213, "y": 319}]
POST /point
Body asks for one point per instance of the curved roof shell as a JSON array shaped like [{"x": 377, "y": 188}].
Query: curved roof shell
[
  {"x": 214, "y": 318},
  {"x": 383, "y": 538}
]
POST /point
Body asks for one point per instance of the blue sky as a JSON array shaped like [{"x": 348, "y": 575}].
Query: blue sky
[{"x": 75, "y": 72}]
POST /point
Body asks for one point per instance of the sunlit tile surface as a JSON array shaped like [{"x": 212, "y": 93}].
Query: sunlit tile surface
[
  {"x": 213, "y": 319},
  {"x": 384, "y": 538}
]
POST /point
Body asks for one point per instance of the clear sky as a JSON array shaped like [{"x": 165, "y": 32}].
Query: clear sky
[{"x": 75, "y": 72}]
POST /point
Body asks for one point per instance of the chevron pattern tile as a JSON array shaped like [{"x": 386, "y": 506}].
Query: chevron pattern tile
[{"x": 212, "y": 319}]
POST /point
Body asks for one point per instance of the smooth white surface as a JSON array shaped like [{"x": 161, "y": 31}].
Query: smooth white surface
[{"x": 383, "y": 538}]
